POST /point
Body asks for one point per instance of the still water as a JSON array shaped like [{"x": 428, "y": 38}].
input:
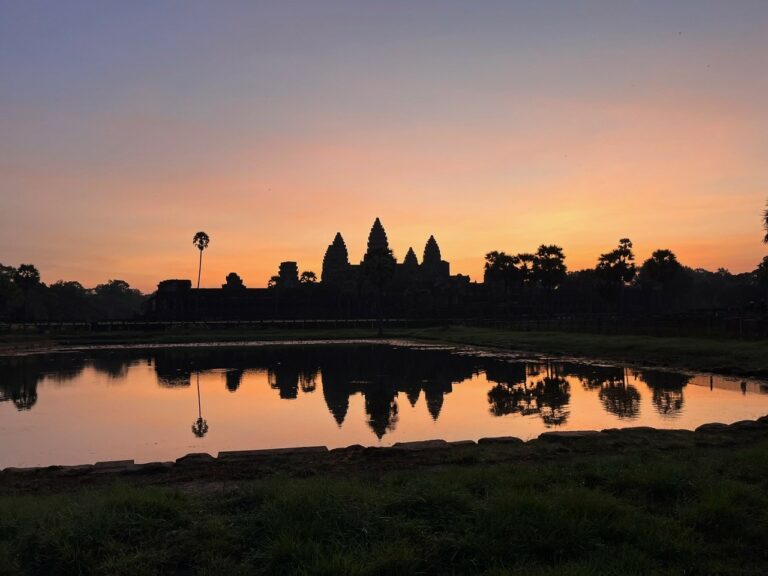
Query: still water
[{"x": 159, "y": 403}]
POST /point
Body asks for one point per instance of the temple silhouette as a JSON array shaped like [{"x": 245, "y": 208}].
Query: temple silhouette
[
  {"x": 433, "y": 271},
  {"x": 525, "y": 287},
  {"x": 378, "y": 285}
]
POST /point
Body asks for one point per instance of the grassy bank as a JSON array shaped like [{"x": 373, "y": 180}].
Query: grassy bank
[
  {"x": 726, "y": 356},
  {"x": 749, "y": 358},
  {"x": 691, "y": 510}
]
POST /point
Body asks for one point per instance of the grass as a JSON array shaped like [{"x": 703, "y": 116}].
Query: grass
[
  {"x": 629, "y": 510},
  {"x": 705, "y": 354},
  {"x": 691, "y": 511}
]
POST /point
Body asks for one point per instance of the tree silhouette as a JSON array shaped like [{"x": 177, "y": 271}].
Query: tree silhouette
[
  {"x": 26, "y": 278},
  {"x": 617, "y": 266},
  {"x": 274, "y": 281},
  {"x": 308, "y": 277},
  {"x": 527, "y": 263},
  {"x": 233, "y": 282},
  {"x": 501, "y": 268},
  {"x": 10, "y": 293},
  {"x": 765, "y": 224},
  {"x": 116, "y": 299},
  {"x": 549, "y": 269},
  {"x": 760, "y": 275},
  {"x": 664, "y": 274},
  {"x": 660, "y": 269},
  {"x": 200, "y": 241}
]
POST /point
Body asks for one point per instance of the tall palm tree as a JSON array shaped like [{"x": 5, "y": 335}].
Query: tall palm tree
[
  {"x": 765, "y": 223},
  {"x": 200, "y": 241}
]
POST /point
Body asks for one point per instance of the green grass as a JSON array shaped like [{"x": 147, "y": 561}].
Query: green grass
[{"x": 691, "y": 511}]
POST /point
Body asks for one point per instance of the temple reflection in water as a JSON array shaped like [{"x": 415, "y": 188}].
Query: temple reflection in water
[{"x": 383, "y": 375}]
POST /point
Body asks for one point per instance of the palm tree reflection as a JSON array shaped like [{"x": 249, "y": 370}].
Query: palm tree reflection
[
  {"x": 547, "y": 397},
  {"x": 200, "y": 427},
  {"x": 667, "y": 390}
]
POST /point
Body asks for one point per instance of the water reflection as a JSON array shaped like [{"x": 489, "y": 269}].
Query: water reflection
[
  {"x": 666, "y": 389},
  {"x": 234, "y": 378},
  {"x": 526, "y": 390},
  {"x": 200, "y": 427},
  {"x": 382, "y": 375}
]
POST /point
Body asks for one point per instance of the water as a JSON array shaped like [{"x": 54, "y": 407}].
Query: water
[{"x": 160, "y": 403}]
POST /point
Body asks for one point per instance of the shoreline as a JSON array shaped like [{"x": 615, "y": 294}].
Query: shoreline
[
  {"x": 733, "y": 357},
  {"x": 401, "y": 455},
  {"x": 725, "y": 357}
]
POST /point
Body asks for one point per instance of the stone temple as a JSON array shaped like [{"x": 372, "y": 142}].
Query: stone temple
[
  {"x": 432, "y": 272},
  {"x": 404, "y": 289}
]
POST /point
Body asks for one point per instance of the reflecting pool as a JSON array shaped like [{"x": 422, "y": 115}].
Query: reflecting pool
[{"x": 82, "y": 406}]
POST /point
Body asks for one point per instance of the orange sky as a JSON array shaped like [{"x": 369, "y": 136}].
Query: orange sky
[{"x": 125, "y": 132}]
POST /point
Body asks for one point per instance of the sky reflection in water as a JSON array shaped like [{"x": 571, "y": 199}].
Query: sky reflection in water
[{"x": 72, "y": 408}]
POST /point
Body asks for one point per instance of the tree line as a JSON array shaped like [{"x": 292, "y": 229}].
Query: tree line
[
  {"x": 524, "y": 282},
  {"x": 540, "y": 281},
  {"x": 24, "y": 297}
]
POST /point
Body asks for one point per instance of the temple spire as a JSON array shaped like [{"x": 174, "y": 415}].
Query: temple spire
[
  {"x": 377, "y": 239},
  {"x": 432, "y": 252},
  {"x": 340, "y": 247},
  {"x": 335, "y": 261},
  {"x": 410, "y": 259}
]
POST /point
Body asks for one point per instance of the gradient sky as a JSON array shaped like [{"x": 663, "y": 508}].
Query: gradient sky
[{"x": 125, "y": 127}]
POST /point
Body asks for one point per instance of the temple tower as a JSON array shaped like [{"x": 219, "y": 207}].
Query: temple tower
[
  {"x": 432, "y": 257},
  {"x": 434, "y": 269},
  {"x": 410, "y": 262},
  {"x": 378, "y": 247},
  {"x": 335, "y": 262},
  {"x": 377, "y": 239},
  {"x": 289, "y": 275}
]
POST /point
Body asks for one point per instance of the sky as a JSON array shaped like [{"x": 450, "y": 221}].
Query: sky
[{"x": 126, "y": 127}]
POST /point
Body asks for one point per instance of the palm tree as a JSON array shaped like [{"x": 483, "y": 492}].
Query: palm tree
[
  {"x": 26, "y": 278},
  {"x": 200, "y": 241},
  {"x": 765, "y": 224}
]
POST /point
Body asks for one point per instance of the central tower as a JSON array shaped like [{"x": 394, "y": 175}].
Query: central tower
[{"x": 377, "y": 239}]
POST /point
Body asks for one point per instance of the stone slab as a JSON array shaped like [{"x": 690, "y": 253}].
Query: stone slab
[
  {"x": 712, "y": 427},
  {"x": 568, "y": 435},
  {"x": 76, "y": 470},
  {"x": 500, "y": 440},
  {"x": 248, "y": 454},
  {"x": 195, "y": 458},
  {"x": 113, "y": 464},
  {"x": 462, "y": 443},
  {"x": 748, "y": 425},
  {"x": 15, "y": 470},
  {"x": 351, "y": 448},
  {"x": 422, "y": 445},
  {"x": 638, "y": 429},
  {"x": 151, "y": 467}
]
